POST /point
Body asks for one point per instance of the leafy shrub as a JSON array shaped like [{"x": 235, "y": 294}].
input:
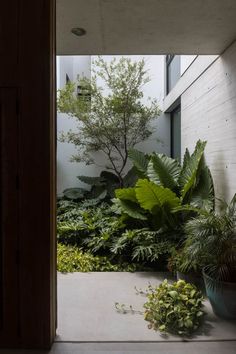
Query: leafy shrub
[
  {"x": 73, "y": 259},
  {"x": 180, "y": 261},
  {"x": 86, "y": 225},
  {"x": 211, "y": 240},
  {"x": 174, "y": 308},
  {"x": 99, "y": 231},
  {"x": 142, "y": 244}
]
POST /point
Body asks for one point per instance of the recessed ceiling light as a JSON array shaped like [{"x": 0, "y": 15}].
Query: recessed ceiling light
[{"x": 78, "y": 31}]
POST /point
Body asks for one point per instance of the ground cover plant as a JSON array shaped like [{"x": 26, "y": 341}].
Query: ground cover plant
[
  {"x": 73, "y": 259},
  {"x": 86, "y": 234},
  {"x": 175, "y": 308}
]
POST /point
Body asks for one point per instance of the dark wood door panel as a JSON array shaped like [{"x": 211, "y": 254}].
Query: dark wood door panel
[
  {"x": 9, "y": 221},
  {"x": 28, "y": 263},
  {"x": 9, "y": 28}
]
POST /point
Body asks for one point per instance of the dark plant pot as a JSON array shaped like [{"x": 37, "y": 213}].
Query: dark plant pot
[
  {"x": 222, "y": 297},
  {"x": 193, "y": 278}
]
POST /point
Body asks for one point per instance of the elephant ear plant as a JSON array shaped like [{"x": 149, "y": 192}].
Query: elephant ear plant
[
  {"x": 167, "y": 194},
  {"x": 211, "y": 239},
  {"x": 101, "y": 187}
]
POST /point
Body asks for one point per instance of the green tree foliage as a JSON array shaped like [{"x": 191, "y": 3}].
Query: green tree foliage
[{"x": 115, "y": 119}]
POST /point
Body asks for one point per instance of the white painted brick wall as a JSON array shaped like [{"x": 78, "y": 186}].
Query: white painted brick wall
[{"x": 209, "y": 113}]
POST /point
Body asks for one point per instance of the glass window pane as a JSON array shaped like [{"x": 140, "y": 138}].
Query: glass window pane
[
  {"x": 176, "y": 134},
  {"x": 173, "y": 72}
]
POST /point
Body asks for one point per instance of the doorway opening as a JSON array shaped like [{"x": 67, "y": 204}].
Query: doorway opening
[{"x": 93, "y": 240}]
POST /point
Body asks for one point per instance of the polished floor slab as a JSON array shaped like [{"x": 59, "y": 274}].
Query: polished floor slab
[{"x": 86, "y": 311}]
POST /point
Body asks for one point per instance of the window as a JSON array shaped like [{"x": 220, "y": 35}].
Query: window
[
  {"x": 84, "y": 92},
  {"x": 172, "y": 71},
  {"x": 175, "y": 126}
]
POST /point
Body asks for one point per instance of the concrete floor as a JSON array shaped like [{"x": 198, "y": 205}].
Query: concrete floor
[
  {"x": 86, "y": 314},
  {"x": 135, "y": 348},
  {"x": 86, "y": 311}
]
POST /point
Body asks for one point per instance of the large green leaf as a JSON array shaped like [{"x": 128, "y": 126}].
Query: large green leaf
[
  {"x": 164, "y": 170},
  {"x": 203, "y": 195},
  {"x": 231, "y": 209},
  {"x": 109, "y": 177},
  {"x": 130, "y": 178},
  {"x": 150, "y": 196},
  {"x": 74, "y": 193},
  {"x": 92, "y": 181},
  {"x": 130, "y": 208},
  {"x": 126, "y": 194},
  {"x": 186, "y": 158},
  {"x": 187, "y": 179},
  {"x": 140, "y": 161},
  {"x": 98, "y": 192}
]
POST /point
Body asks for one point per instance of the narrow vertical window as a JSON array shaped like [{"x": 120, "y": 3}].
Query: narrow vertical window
[
  {"x": 172, "y": 71},
  {"x": 176, "y": 133}
]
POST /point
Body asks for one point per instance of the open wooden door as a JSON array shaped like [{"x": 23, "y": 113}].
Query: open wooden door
[{"x": 27, "y": 174}]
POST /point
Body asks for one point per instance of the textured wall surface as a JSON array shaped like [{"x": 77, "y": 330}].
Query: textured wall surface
[{"x": 209, "y": 113}]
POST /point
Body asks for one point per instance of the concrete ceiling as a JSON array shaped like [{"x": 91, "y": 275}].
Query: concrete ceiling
[{"x": 145, "y": 26}]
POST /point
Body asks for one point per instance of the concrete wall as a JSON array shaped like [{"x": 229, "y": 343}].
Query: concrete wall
[
  {"x": 159, "y": 141},
  {"x": 185, "y": 62},
  {"x": 209, "y": 113},
  {"x": 193, "y": 72},
  {"x": 66, "y": 170}
]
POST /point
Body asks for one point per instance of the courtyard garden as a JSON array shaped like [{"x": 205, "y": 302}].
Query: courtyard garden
[{"x": 144, "y": 211}]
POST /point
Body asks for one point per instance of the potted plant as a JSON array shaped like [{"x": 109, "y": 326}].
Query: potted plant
[
  {"x": 212, "y": 241},
  {"x": 186, "y": 269}
]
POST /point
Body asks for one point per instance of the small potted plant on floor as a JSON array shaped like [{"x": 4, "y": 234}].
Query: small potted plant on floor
[{"x": 212, "y": 240}]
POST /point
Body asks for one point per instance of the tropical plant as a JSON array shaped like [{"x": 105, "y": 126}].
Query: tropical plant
[
  {"x": 109, "y": 123},
  {"x": 211, "y": 240},
  {"x": 162, "y": 200},
  {"x": 168, "y": 194},
  {"x": 192, "y": 182},
  {"x": 174, "y": 308}
]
